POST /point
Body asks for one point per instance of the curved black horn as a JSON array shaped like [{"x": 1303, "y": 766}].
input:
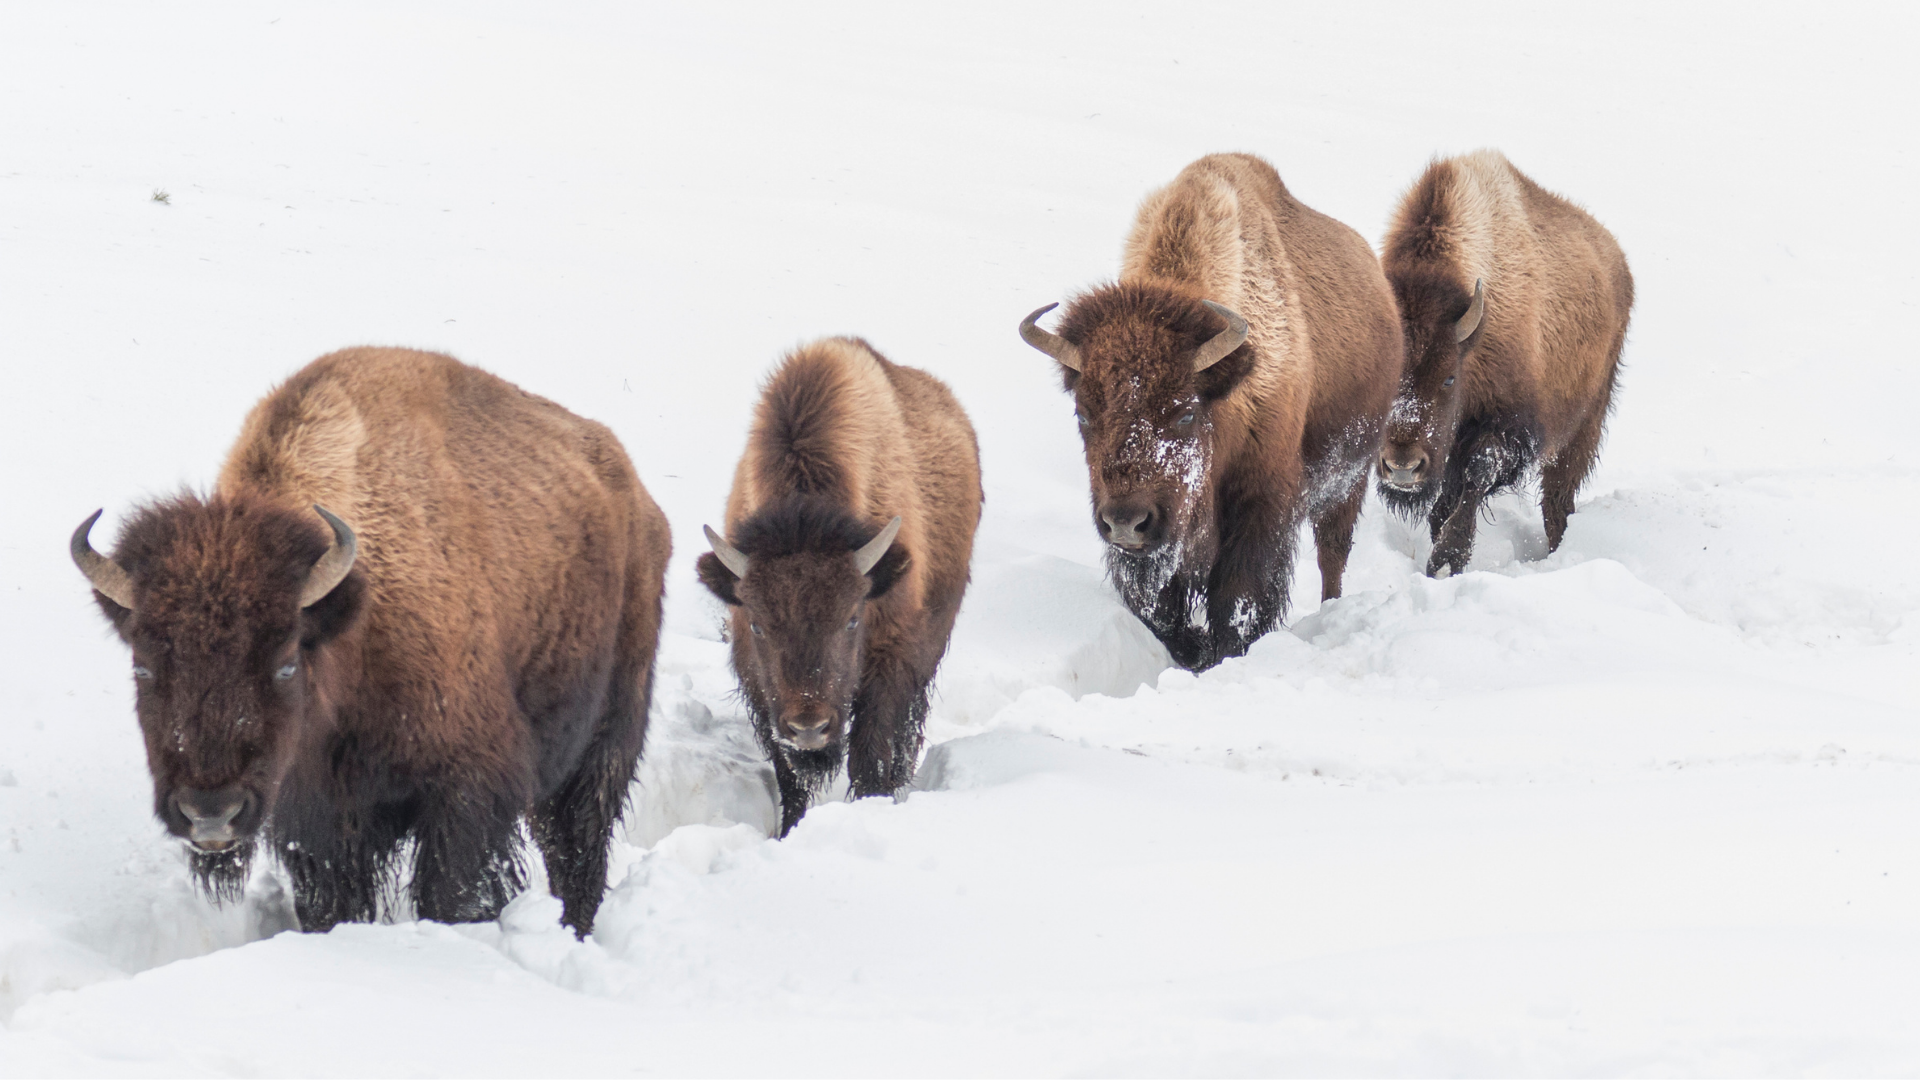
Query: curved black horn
[
  {"x": 1048, "y": 342},
  {"x": 1470, "y": 322},
  {"x": 869, "y": 554},
  {"x": 332, "y": 568},
  {"x": 1223, "y": 343},
  {"x": 730, "y": 557},
  {"x": 108, "y": 579}
]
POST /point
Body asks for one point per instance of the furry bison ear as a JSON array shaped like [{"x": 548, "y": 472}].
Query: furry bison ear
[
  {"x": 331, "y": 615},
  {"x": 717, "y": 578},
  {"x": 1220, "y": 380},
  {"x": 891, "y": 567}
]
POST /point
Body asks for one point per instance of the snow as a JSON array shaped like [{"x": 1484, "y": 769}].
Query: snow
[{"x": 1645, "y": 805}]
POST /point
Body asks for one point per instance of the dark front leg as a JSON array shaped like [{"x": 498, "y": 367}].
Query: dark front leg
[
  {"x": 889, "y": 721},
  {"x": 1247, "y": 592},
  {"x": 334, "y": 884},
  {"x": 1486, "y": 460},
  {"x": 574, "y": 826},
  {"x": 1333, "y": 536},
  {"x": 1167, "y": 611},
  {"x": 466, "y": 857},
  {"x": 795, "y": 792}
]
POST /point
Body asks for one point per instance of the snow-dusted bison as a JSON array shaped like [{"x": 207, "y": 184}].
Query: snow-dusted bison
[
  {"x": 1233, "y": 383},
  {"x": 419, "y": 604},
  {"x": 1514, "y": 303},
  {"x": 849, "y": 538}
]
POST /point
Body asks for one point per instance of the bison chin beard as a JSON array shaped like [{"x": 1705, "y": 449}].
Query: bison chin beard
[
  {"x": 222, "y": 875},
  {"x": 1409, "y": 503}
]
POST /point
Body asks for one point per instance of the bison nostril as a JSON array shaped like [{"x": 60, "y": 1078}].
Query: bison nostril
[{"x": 210, "y": 814}]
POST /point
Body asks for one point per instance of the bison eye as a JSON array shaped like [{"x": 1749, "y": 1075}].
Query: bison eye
[
  {"x": 1082, "y": 417},
  {"x": 1448, "y": 383},
  {"x": 140, "y": 672},
  {"x": 755, "y": 627},
  {"x": 285, "y": 672},
  {"x": 1185, "y": 419},
  {"x": 853, "y": 622}
]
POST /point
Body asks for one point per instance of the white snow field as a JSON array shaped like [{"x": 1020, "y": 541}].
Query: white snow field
[{"x": 1649, "y": 805}]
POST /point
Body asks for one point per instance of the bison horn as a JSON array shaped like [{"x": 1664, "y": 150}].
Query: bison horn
[
  {"x": 332, "y": 568},
  {"x": 1048, "y": 342},
  {"x": 1470, "y": 322},
  {"x": 867, "y": 556},
  {"x": 731, "y": 557},
  {"x": 1221, "y": 344},
  {"x": 108, "y": 579}
]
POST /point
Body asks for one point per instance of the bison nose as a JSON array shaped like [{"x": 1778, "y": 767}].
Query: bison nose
[
  {"x": 210, "y": 815},
  {"x": 1403, "y": 466},
  {"x": 1127, "y": 524},
  {"x": 807, "y": 731}
]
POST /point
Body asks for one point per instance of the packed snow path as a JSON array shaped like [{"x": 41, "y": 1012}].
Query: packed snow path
[{"x": 1648, "y": 804}]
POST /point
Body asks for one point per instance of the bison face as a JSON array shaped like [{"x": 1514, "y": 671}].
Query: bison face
[
  {"x": 800, "y": 585},
  {"x": 1441, "y": 322},
  {"x": 1147, "y": 367},
  {"x": 218, "y": 602}
]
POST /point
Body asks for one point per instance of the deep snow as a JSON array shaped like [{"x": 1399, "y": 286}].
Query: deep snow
[{"x": 1644, "y": 805}]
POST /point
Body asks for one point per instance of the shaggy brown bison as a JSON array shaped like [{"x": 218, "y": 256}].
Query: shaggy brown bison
[
  {"x": 849, "y": 534},
  {"x": 1514, "y": 303},
  {"x": 1233, "y": 383},
  {"x": 469, "y": 640}
]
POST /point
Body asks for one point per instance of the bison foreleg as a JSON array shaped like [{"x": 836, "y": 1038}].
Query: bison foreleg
[
  {"x": 467, "y": 858},
  {"x": 889, "y": 719},
  {"x": 796, "y": 792},
  {"x": 1490, "y": 459},
  {"x": 1333, "y": 536},
  {"x": 1247, "y": 592}
]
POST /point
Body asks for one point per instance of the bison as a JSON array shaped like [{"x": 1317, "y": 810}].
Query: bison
[
  {"x": 849, "y": 535},
  {"x": 419, "y": 604},
  {"x": 1233, "y": 383},
  {"x": 1514, "y": 304}
]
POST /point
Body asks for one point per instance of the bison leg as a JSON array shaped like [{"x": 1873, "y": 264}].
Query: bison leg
[
  {"x": 467, "y": 858},
  {"x": 1561, "y": 478},
  {"x": 1247, "y": 593},
  {"x": 1490, "y": 460},
  {"x": 889, "y": 720},
  {"x": 795, "y": 792},
  {"x": 339, "y": 882},
  {"x": 575, "y": 825},
  {"x": 1333, "y": 535}
]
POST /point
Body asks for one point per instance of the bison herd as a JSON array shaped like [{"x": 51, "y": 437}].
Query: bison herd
[{"x": 421, "y": 604}]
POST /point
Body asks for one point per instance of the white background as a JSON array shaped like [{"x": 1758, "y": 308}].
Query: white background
[{"x": 1646, "y": 805}]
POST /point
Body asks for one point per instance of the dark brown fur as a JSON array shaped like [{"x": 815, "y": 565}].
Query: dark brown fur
[
  {"x": 843, "y": 441},
  {"x": 1534, "y": 383},
  {"x": 1283, "y": 430},
  {"x": 490, "y": 655}
]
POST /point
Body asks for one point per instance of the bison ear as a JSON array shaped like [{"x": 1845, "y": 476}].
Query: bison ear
[
  {"x": 891, "y": 567},
  {"x": 717, "y": 578},
  {"x": 331, "y": 615},
  {"x": 1220, "y": 380}
]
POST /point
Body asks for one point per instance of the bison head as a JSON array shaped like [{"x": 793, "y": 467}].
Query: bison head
[
  {"x": 1146, "y": 366},
  {"x": 225, "y": 604},
  {"x": 1441, "y": 323},
  {"x": 799, "y": 583}
]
